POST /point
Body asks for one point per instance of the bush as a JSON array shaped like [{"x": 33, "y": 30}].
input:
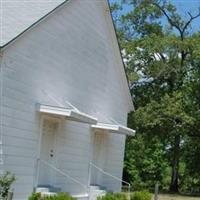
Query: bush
[
  {"x": 110, "y": 196},
  {"x": 63, "y": 196},
  {"x": 35, "y": 196},
  {"x": 5, "y": 182},
  {"x": 59, "y": 196},
  {"x": 142, "y": 195}
]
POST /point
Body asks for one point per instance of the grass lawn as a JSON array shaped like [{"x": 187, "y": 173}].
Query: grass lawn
[{"x": 176, "y": 197}]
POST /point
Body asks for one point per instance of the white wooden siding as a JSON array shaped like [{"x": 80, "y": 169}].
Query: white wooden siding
[
  {"x": 73, "y": 151},
  {"x": 67, "y": 57},
  {"x": 114, "y": 161}
]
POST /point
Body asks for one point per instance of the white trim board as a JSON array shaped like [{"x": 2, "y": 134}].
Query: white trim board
[
  {"x": 113, "y": 128},
  {"x": 70, "y": 114}
]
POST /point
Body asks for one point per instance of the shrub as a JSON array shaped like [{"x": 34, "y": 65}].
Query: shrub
[
  {"x": 59, "y": 196},
  {"x": 110, "y": 196},
  {"x": 63, "y": 196},
  {"x": 142, "y": 195},
  {"x": 35, "y": 196},
  {"x": 5, "y": 182},
  {"x": 120, "y": 196}
]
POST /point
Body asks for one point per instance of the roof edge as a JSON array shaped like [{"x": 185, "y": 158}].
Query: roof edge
[
  {"x": 119, "y": 48},
  {"x": 34, "y": 24}
]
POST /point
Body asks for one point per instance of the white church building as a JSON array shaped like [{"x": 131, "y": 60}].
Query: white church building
[{"x": 64, "y": 97}]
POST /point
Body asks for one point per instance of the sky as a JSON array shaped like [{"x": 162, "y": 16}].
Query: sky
[{"x": 183, "y": 6}]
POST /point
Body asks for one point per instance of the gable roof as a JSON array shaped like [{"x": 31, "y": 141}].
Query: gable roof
[{"x": 19, "y": 17}]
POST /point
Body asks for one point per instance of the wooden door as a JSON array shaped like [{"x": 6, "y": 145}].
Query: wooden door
[{"x": 48, "y": 152}]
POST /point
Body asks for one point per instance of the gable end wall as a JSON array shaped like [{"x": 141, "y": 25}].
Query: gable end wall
[{"x": 67, "y": 57}]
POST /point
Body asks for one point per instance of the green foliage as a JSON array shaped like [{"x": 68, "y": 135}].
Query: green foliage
[
  {"x": 111, "y": 196},
  {"x": 190, "y": 180},
  {"x": 63, "y": 196},
  {"x": 59, "y": 196},
  {"x": 145, "y": 162},
  {"x": 142, "y": 195},
  {"x": 5, "y": 182},
  {"x": 162, "y": 62},
  {"x": 35, "y": 196},
  {"x": 166, "y": 116}
]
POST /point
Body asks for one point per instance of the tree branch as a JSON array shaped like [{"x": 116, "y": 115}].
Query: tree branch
[
  {"x": 172, "y": 23},
  {"x": 190, "y": 20}
]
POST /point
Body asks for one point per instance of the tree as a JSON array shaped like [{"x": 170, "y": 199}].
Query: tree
[
  {"x": 145, "y": 162},
  {"x": 162, "y": 60},
  {"x": 167, "y": 119}
]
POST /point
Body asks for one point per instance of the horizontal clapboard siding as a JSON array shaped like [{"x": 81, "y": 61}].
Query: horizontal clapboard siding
[
  {"x": 74, "y": 143},
  {"x": 67, "y": 57},
  {"x": 114, "y": 164}
]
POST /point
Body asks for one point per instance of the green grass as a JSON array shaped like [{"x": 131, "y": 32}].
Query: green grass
[
  {"x": 176, "y": 197},
  {"x": 173, "y": 197}
]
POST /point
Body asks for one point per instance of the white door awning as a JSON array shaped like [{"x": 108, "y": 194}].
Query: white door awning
[
  {"x": 113, "y": 128},
  {"x": 69, "y": 113}
]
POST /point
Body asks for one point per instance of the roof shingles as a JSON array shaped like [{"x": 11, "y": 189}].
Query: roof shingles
[{"x": 18, "y": 15}]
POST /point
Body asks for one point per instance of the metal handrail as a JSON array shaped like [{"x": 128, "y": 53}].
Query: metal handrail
[
  {"x": 114, "y": 177},
  {"x": 63, "y": 173}
]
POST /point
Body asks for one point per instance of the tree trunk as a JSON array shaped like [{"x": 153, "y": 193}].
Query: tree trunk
[{"x": 175, "y": 165}]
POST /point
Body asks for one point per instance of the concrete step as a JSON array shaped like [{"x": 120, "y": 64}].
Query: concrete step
[
  {"x": 42, "y": 189},
  {"x": 48, "y": 193},
  {"x": 96, "y": 193},
  {"x": 81, "y": 196},
  {"x": 97, "y": 187},
  {"x": 46, "y": 189}
]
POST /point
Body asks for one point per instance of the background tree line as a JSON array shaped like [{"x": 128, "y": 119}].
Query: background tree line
[{"x": 162, "y": 58}]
